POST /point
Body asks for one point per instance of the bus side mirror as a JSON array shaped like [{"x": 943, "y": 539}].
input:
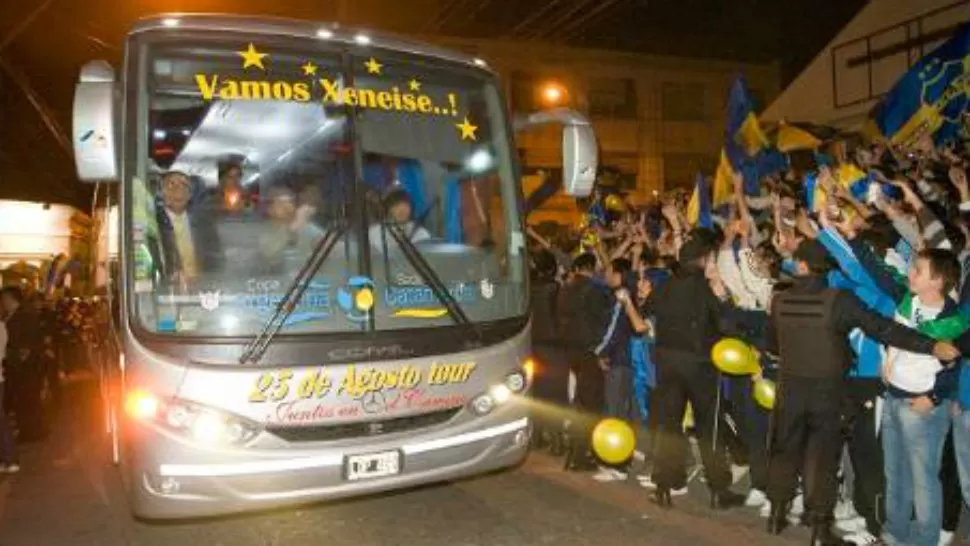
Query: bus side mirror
[
  {"x": 94, "y": 125},
  {"x": 579, "y": 151}
]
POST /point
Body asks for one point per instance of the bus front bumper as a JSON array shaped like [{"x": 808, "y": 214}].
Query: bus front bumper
[{"x": 186, "y": 483}]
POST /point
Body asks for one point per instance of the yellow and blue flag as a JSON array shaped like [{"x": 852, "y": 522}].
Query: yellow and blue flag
[
  {"x": 747, "y": 149},
  {"x": 699, "y": 206},
  {"x": 931, "y": 97}
]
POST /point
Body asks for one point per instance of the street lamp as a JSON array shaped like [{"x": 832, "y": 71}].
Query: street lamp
[{"x": 553, "y": 94}]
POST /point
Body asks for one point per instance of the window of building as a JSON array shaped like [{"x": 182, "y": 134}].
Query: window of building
[
  {"x": 680, "y": 170},
  {"x": 523, "y": 92},
  {"x": 613, "y": 98},
  {"x": 619, "y": 170},
  {"x": 684, "y": 102}
]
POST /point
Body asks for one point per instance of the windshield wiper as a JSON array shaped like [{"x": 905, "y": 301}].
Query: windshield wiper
[
  {"x": 294, "y": 292},
  {"x": 424, "y": 269}
]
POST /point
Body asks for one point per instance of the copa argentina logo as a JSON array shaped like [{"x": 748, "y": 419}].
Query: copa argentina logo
[{"x": 357, "y": 298}]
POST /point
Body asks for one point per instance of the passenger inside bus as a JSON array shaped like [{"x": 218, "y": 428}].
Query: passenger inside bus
[
  {"x": 232, "y": 196},
  {"x": 290, "y": 227},
  {"x": 190, "y": 245},
  {"x": 397, "y": 215}
]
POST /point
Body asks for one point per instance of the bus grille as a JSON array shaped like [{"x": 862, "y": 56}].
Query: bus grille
[{"x": 324, "y": 433}]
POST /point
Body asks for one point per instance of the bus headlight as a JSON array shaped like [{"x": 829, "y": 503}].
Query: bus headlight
[
  {"x": 500, "y": 393},
  {"x": 482, "y": 404},
  {"x": 516, "y": 382},
  {"x": 206, "y": 426}
]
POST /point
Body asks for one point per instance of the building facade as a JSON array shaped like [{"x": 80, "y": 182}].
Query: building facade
[
  {"x": 867, "y": 57},
  {"x": 659, "y": 120},
  {"x": 33, "y": 234}
]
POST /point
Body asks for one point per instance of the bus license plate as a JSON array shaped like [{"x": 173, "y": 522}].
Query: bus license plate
[{"x": 373, "y": 465}]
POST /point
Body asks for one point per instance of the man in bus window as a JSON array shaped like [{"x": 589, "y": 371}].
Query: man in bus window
[
  {"x": 398, "y": 215},
  {"x": 190, "y": 242},
  {"x": 290, "y": 226},
  {"x": 231, "y": 194}
]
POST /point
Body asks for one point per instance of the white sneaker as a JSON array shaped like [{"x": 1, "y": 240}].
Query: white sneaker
[
  {"x": 946, "y": 538},
  {"x": 765, "y": 510},
  {"x": 798, "y": 506},
  {"x": 737, "y": 473},
  {"x": 862, "y": 538},
  {"x": 646, "y": 482},
  {"x": 755, "y": 499},
  {"x": 853, "y": 525},
  {"x": 606, "y": 475},
  {"x": 845, "y": 510}
]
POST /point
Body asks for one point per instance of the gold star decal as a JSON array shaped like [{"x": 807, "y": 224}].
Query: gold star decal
[
  {"x": 415, "y": 85},
  {"x": 467, "y": 130},
  {"x": 309, "y": 69},
  {"x": 373, "y": 67},
  {"x": 251, "y": 57}
]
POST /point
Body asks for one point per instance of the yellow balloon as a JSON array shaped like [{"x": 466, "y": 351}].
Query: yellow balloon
[
  {"x": 764, "y": 393},
  {"x": 614, "y": 203},
  {"x": 613, "y": 441},
  {"x": 734, "y": 357}
]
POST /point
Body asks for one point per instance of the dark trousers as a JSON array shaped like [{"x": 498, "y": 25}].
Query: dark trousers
[
  {"x": 950, "y": 478},
  {"x": 808, "y": 436},
  {"x": 589, "y": 399},
  {"x": 865, "y": 451},
  {"x": 682, "y": 382},
  {"x": 551, "y": 385},
  {"x": 25, "y": 389},
  {"x": 752, "y": 421}
]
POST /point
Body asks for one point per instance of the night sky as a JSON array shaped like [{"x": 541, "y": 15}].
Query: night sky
[{"x": 67, "y": 33}]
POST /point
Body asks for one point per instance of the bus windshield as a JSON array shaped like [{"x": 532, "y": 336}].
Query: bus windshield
[{"x": 254, "y": 151}]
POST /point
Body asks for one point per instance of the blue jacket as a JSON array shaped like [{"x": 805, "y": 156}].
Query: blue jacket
[
  {"x": 857, "y": 279},
  {"x": 615, "y": 343},
  {"x": 947, "y": 381}
]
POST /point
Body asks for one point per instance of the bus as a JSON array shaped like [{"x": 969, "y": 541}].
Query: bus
[{"x": 323, "y": 281}]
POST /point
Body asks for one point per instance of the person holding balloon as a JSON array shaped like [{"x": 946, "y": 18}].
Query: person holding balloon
[{"x": 811, "y": 324}]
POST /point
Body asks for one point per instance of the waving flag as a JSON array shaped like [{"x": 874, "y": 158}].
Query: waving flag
[
  {"x": 931, "y": 97},
  {"x": 747, "y": 149},
  {"x": 699, "y": 206}
]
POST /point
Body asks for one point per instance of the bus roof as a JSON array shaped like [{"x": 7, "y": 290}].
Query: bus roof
[{"x": 299, "y": 29}]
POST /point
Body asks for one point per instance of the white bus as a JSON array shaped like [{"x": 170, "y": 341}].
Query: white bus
[{"x": 323, "y": 285}]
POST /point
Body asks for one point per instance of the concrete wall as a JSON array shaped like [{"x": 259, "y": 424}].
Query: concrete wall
[{"x": 865, "y": 60}]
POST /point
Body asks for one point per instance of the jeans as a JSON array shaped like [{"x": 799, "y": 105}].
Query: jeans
[
  {"x": 8, "y": 448},
  {"x": 913, "y": 449},
  {"x": 961, "y": 445},
  {"x": 619, "y": 393}
]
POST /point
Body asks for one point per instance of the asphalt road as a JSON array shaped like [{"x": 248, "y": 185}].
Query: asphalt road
[{"x": 69, "y": 494}]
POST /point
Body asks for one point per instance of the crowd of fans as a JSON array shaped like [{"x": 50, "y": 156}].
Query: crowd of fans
[
  {"x": 42, "y": 340},
  {"x": 893, "y": 224}
]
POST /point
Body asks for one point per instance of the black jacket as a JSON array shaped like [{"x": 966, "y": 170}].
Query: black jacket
[
  {"x": 205, "y": 240},
  {"x": 545, "y": 318},
  {"x": 814, "y": 349},
  {"x": 24, "y": 339},
  {"x": 584, "y": 308},
  {"x": 690, "y": 319}
]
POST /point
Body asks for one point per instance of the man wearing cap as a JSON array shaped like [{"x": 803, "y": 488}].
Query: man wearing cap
[
  {"x": 810, "y": 332},
  {"x": 189, "y": 240}
]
